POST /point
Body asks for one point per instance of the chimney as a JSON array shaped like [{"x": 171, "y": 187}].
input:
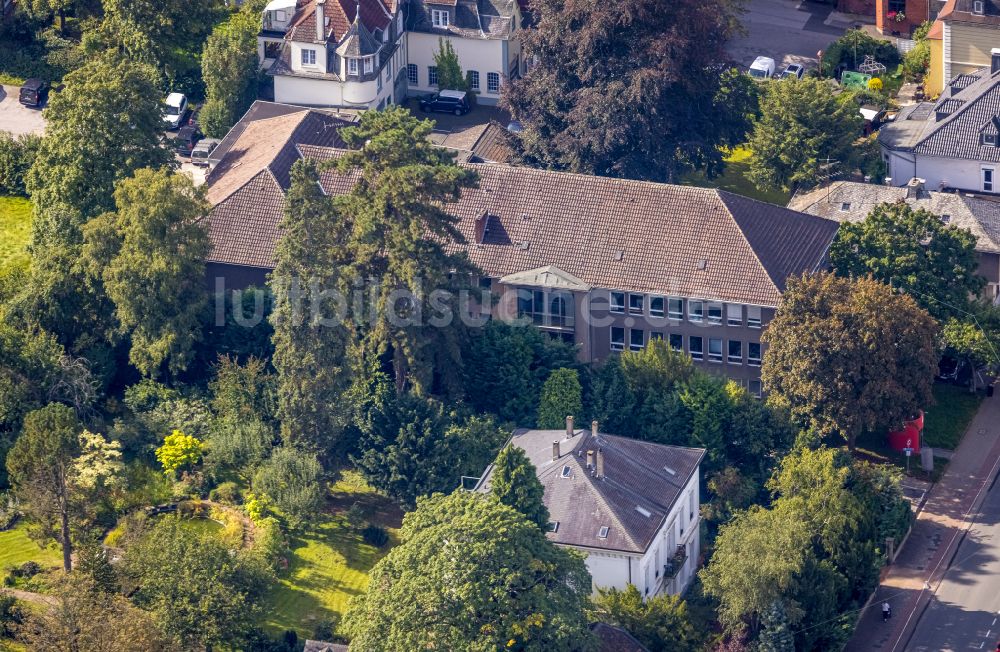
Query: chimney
[
  {"x": 600, "y": 463},
  {"x": 994, "y": 60},
  {"x": 569, "y": 426},
  {"x": 914, "y": 187},
  {"x": 555, "y": 451},
  {"x": 593, "y": 427},
  {"x": 590, "y": 459},
  {"x": 321, "y": 20}
]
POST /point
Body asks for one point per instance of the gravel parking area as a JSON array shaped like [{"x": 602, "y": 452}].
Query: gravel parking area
[{"x": 17, "y": 118}]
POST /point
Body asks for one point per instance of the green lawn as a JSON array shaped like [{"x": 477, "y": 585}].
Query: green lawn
[
  {"x": 16, "y": 548},
  {"x": 734, "y": 179},
  {"x": 329, "y": 562},
  {"x": 15, "y": 226},
  {"x": 946, "y": 421}
]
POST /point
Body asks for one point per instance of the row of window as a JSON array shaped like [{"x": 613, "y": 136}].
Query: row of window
[
  {"x": 733, "y": 352},
  {"x": 673, "y": 308},
  {"x": 492, "y": 78},
  {"x": 367, "y": 63}
]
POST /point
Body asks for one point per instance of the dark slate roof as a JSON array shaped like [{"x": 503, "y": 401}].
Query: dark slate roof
[
  {"x": 480, "y": 19},
  {"x": 850, "y": 201},
  {"x": 952, "y": 129},
  {"x": 612, "y": 638},
  {"x": 960, "y": 11},
  {"x": 358, "y": 42},
  {"x": 636, "y": 477},
  {"x": 611, "y": 233}
]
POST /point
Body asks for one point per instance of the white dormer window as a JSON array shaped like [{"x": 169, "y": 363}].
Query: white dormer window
[
  {"x": 352, "y": 66},
  {"x": 439, "y": 17},
  {"x": 308, "y": 57},
  {"x": 989, "y": 139},
  {"x": 280, "y": 15},
  {"x": 977, "y": 7},
  {"x": 369, "y": 64}
]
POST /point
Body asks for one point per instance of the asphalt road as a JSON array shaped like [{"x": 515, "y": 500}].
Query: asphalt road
[
  {"x": 17, "y": 118},
  {"x": 785, "y": 30},
  {"x": 965, "y": 612}
]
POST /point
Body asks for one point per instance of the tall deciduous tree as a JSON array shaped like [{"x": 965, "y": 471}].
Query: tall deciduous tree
[
  {"x": 399, "y": 225},
  {"x": 515, "y": 483},
  {"x": 472, "y": 574},
  {"x": 40, "y": 465},
  {"x": 219, "y": 599},
  {"x": 449, "y": 70},
  {"x": 849, "y": 356},
  {"x": 803, "y": 135},
  {"x": 913, "y": 250},
  {"x": 150, "y": 257},
  {"x": 310, "y": 339},
  {"x": 562, "y": 396},
  {"x": 629, "y": 89},
  {"x": 100, "y": 128},
  {"x": 229, "y": 67}
]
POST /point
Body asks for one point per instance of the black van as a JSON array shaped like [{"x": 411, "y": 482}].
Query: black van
[
  {"x": 456, "y": 102},
  {"x": 33, "y": 92}
]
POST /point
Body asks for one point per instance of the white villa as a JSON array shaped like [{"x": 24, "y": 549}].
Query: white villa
[{"x": 631, "y": 506}]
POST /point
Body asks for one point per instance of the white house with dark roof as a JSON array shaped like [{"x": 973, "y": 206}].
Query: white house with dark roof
[
  {"x": 632, "y": 507},
  {"x": 334, "y": 53},
  {"x": 483, "y": 34},
  {"x": 953, "y": 142}
]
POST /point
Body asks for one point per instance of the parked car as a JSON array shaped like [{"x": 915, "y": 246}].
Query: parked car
[
  {"x": 174, "y": 109},
  {"x": 515, "y": 127},
  {"x": 187, "y": 138},
  {"x": 762, "y": 68},
  {"x": 792, "y": 71},
  {"x": 456, "y": 102},
  {"x": 950, "y": 369},
  {"x": 33, "y": 92},
  {"x": 204, "y": 149}
]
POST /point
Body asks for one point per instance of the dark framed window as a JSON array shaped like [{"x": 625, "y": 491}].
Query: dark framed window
[
  {"x": 636, "y": 303},
  {"x": 753, "y": 354},
  {"x": 696, "y": 347},
  {"x": 735, "y": 352},
  {"x": 696, "y": 311},
  {"x": 473, "y": 76},
  {"x": 636, "y": 339},
  {"x": 656, "y": 306},
  {"x": 715, "y": 313},
  {"x": 616, "y": 302},
  {"x": 493, "y": 82},
  {"x": 413, "y": 74},
  {"x": 617, "y": 338},
  {"x": 676, "y": 342},
  {"x": 754, "y": 388}
]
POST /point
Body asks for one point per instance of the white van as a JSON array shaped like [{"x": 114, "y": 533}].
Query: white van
[{"x": 762, "y": 68}]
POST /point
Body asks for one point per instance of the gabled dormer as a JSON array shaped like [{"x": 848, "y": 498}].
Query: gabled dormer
[
  {"x": 358, "y": 52},
  {"x": 441, "y": 13},
  {"x": 989, "y": 133}
]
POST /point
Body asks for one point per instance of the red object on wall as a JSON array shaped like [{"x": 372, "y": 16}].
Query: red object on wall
[
  {"x": 909, "y": 436},
  {"x": 914, "y": 12}
]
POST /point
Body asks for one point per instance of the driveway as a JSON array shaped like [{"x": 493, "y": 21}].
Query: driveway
[
  {"x": 459, "y": 131},
  {"x": 17, "y": 118},
  {"x": 785, "y": 30}
]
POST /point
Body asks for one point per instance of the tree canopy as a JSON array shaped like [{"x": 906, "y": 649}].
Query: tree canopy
[
  {"x": 849, "y": 356},
  {"x": 229, "y": 67},
  {"x": 472, "y": 574},
  {"x": 915, "y": 251},
  {"x": 628, "y": 89},
  {"x": 562, "y": 396},
  {"x": 449, "y": 70},
  {"x": 803, "y": 135},
  {"x": 293, "y": 480},
  {"x": 515, "y": 483}
]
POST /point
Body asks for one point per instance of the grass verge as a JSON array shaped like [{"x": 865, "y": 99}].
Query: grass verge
[
  {"x": 329, "y": 562},
  {"x": 945, "y": 421},
  {"x": 15, "y": 227},
  {"x": 734, "y": 179}
]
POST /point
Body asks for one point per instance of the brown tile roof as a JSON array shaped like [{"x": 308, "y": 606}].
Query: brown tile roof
[
  {"x": 610, "y": 233},
  {"x": 491, "y": 146},
  {"x": 635, "y": 477},
  {"x": 340, "y": 14}
]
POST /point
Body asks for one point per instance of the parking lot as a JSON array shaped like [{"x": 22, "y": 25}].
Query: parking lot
[
  {"x": 16, "y": 118},
  {"x": 787, "y": 31},
  {"x": 460, "y": 131}
]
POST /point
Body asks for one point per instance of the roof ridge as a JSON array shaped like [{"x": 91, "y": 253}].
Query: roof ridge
[
  {"x": 243, "y": 185},
  {"x": 621, "y": 180}
]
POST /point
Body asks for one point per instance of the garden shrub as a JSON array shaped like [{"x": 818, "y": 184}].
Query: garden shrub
[
  {"x": 232, "y": 526},
  {"x": 9, "y": 510},
  {"x": 16, "y": 156},
  {"x": 848, "y": 52},
  {"x": 227, "y": 492},
  {"x": 269, "y": 541},
  {"x": 375, "y": 536},
  {"x": 27, "y": 569}
]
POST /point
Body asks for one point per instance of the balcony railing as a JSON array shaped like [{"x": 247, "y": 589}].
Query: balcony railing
[
  {"x": 675, "y": 564},
  {"x": 549, "y": 320}
]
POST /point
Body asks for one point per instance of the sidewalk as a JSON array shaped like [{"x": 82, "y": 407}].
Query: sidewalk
[{"x": 909, "y": 583}]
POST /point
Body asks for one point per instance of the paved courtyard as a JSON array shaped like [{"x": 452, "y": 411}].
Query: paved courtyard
[
  {"x": 787, "y": 31},
  {"x": 17, "y": 118}
]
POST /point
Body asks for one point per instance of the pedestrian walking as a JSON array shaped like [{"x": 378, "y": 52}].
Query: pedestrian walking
[{"x": 886, "y": 611}]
